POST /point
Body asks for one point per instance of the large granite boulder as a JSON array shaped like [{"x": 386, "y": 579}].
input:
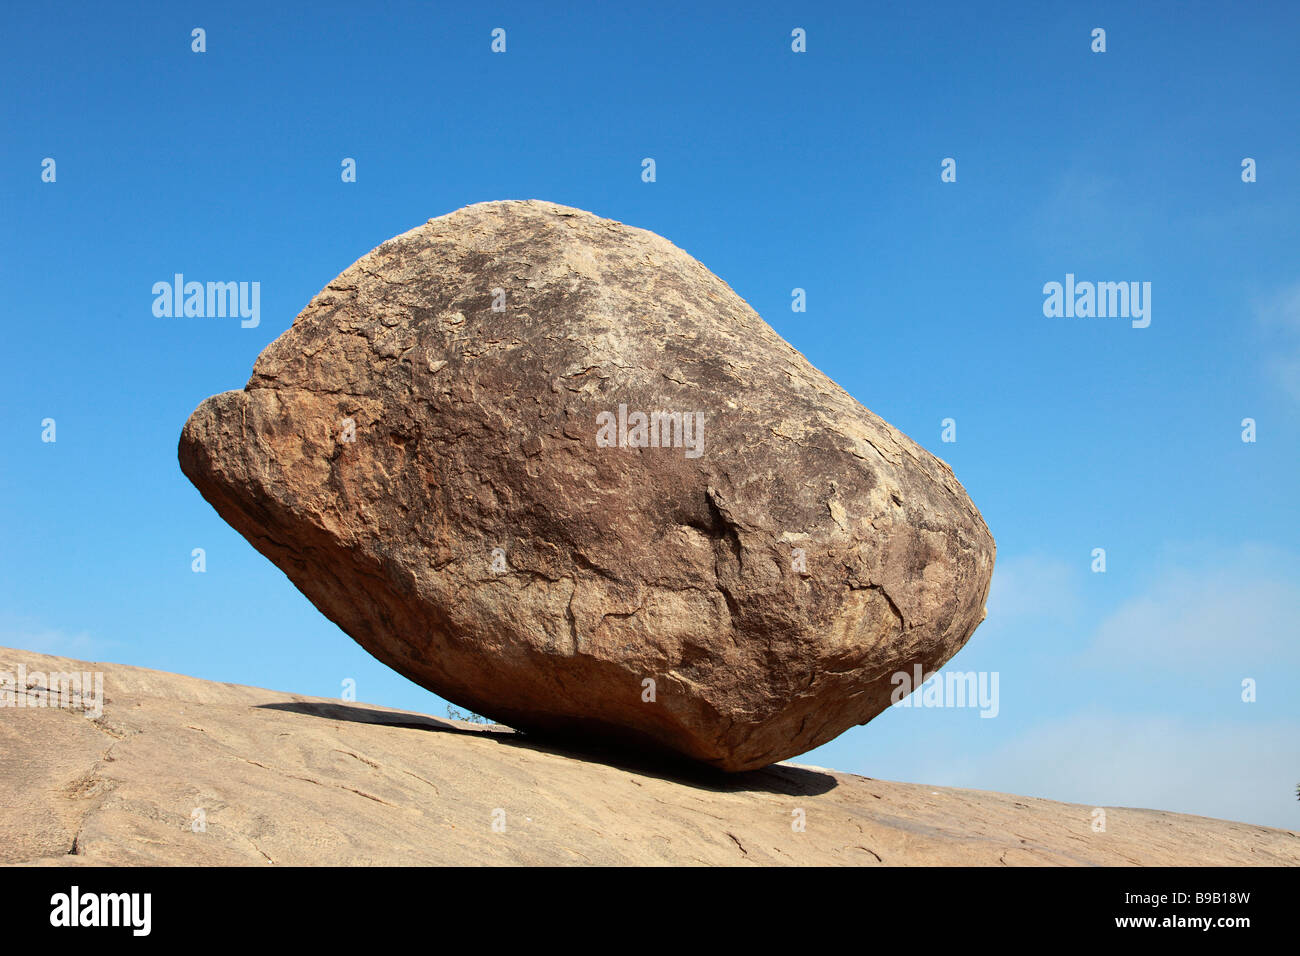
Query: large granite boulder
[{"x": 553, "y": 469}]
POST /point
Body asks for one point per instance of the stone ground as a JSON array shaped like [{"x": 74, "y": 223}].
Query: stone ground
[{"x": 283, "y": 779}]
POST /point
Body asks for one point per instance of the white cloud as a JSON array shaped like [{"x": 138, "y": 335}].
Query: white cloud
[
  {"x": 1231, "y": 770},
  {"x": 1032, "y": 587},
  {"x": 24, "y": 636},
  {"x": 1280, "y": 317},
  {"x": 1081, "y": 208},
  {"x": 1230, "y": 608}
]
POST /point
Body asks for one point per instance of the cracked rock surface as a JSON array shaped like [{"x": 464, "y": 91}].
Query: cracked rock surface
[
  {"x": 186, "y": 771},
  {"x": 419, "y": 454}
]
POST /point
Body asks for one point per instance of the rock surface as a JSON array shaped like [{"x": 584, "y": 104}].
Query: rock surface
[
  {"x": 184, "y": 771},
  {"x": 450, "y": 484}
]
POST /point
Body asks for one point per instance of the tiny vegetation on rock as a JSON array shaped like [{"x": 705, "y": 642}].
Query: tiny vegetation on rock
[{"x": 468, "y": 716}]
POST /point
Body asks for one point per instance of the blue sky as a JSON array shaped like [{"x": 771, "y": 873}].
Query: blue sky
[{"x": 776, "y": 169}]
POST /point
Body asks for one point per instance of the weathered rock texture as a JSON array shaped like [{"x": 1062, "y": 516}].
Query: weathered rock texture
[
  {"x": 184, "y": 771},
  {"x": 477, "y": 430}
]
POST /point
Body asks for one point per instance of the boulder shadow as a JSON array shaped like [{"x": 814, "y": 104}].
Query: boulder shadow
[{"x": 778, "y": 778}]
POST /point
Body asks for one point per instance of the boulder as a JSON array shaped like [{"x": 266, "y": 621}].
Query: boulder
[{"x": 551, "y": 468}]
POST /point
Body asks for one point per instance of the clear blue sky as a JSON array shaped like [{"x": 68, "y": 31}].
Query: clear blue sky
[{"x": 777, "y": 170}]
